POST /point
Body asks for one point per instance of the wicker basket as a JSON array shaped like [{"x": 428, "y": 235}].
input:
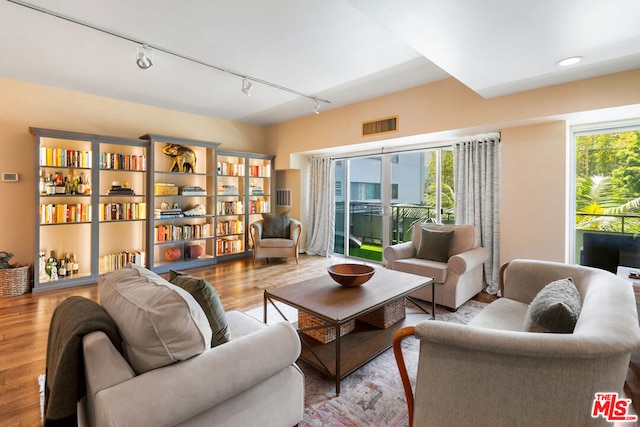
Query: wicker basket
[
  {"x": 324, "y": 335},
  {"x": 387, "y": 315},
  {"x": 14, "y": 281}
]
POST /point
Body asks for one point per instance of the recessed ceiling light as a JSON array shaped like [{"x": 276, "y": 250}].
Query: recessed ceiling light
[{"x": 572, "y": 60}]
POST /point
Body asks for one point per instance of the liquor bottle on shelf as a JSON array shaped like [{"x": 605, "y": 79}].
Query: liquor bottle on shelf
[
  {"x": 62, "y": 269},
  {"x": 75, "y": 263},
  {"x": 68, "y": 264}
]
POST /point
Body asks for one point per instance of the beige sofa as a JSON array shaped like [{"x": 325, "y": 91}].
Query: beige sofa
[
  {"x": 458, "y": 279},
  {"x": 250, "y": 380},
  {"x": 505, "y": 375}
]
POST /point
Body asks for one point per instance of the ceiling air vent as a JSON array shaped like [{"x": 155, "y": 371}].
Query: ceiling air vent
[{"x": 375, "y": 127}]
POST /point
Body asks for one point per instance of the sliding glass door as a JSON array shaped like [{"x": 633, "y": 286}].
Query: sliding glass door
[{"x": 378, "y": 198}]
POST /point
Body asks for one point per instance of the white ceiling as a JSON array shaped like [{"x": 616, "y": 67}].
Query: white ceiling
[{"x": 338, "y": 50}]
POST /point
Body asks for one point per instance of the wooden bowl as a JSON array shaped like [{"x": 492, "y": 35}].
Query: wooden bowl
[{"x": 351, "y": 274}]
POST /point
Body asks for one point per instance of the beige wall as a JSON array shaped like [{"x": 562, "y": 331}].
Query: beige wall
[
  {"x": 25, "y": 105},
  {"x": 534, "y": 142},
  {"x": 534, "y": 190}
]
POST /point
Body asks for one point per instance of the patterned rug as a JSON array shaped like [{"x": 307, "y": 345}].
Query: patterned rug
[{"x": 372, "y": 395}]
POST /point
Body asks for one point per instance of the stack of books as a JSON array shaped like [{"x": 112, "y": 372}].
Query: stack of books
[
  {"x": 168, "y": 213},
  {"x": 117, "y": 190},
  {"x": 193, "y": 190}
]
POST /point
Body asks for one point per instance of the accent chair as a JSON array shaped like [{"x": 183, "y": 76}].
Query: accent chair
[
  {"x": 451, "y": 254},
  {"x": 281, "y": 240}
]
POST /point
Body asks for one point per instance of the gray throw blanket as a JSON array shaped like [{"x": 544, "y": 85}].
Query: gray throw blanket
[{"x": 65, "y": 381}]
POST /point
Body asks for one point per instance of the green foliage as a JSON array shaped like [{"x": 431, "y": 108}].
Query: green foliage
[{"x": 608, "y": 181}]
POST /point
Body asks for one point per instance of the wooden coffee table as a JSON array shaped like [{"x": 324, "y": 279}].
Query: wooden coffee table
[{"x": 336, "y": 305}]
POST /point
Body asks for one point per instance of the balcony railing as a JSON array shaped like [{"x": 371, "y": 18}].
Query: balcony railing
[
  {"x": 612, "y": 223},
  {"x": 366, "y": 220}
]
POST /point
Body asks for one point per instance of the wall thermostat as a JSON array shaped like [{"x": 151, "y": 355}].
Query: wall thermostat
[{"x": 9, "y": 177}]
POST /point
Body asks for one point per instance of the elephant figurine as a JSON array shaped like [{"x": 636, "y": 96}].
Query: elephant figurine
[{"x": 184, "y": 158}]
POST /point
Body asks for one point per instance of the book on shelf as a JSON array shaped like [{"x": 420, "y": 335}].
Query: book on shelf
[
  {"x": 168, "y": 213},
  {"x": 117, "y": 190},
  {"x": 192, "y": 190}
]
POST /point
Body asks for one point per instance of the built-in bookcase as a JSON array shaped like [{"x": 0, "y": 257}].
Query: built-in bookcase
[
  {"x": 80, "y": 222},
  {"x": 181, "y": 231},
  {"x": 244, "y": 193}
]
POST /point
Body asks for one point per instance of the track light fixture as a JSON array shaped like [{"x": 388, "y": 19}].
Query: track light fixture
[
  {"x": 144, "y": 57},
  {"x": 246, "y": 86}
]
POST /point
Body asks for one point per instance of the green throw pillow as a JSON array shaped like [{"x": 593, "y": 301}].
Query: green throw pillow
[
  {"x": 207, "y": 297},
  {"x": 434, "y": 245},
  {"x": 555, "y": 308},
  {"x": 276, "y": 226}
]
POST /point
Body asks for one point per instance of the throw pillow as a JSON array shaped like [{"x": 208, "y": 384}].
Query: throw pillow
[
  {"x": 208, "y": 298},
  {"x": 434, "y": 245},
  {"x": 160, "y": 323},
  {"x": 276, "y": 226},
  {"x": 555, "y": 308}
]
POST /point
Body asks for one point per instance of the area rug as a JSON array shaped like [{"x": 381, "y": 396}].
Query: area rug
[{"x": 372, "y": 395}]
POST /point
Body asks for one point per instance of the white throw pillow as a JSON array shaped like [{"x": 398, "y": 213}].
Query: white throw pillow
[{"x": 160, "y": 323}]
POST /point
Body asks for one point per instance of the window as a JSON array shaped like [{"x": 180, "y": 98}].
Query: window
[{"x": 607, "y": 197}]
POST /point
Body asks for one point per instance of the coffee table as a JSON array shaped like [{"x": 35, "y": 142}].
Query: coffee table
[{"x": 336, "y": 305}]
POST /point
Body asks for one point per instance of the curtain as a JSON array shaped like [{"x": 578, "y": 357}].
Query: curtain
[
  {"x": 477, "y": 191},
  {"x": 321, "y": 207}
]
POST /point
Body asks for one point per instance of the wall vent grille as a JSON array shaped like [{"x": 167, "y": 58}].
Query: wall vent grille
[
  {"x": 378, "y": 126},
  {"x": 283, "y": 197}
]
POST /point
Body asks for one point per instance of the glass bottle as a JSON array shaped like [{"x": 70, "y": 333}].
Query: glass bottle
[
  {"x": 81, "y": 182},
  {"x": 75, "y": 264},
  {"x": 68, "y": 264},
  {"x": 62, "y": 268}
]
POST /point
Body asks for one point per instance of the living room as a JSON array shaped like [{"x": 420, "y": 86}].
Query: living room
[{"x": 535, "y": 128}]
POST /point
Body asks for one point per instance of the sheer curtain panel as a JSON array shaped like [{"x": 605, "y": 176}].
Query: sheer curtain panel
[
  {"x": 321, "y": 221},
  {"x": 477, "y": 191}
]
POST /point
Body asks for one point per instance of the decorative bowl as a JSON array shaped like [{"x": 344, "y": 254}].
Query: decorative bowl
[{"x": 351, "y": 274}]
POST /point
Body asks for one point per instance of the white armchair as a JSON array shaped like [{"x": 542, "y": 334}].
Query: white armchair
[
  {"x": 275, "y": 247},
  {"x": 458, "y": 276}
]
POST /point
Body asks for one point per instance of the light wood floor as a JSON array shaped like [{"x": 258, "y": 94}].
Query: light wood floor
[{"x": 24, "y": 324}]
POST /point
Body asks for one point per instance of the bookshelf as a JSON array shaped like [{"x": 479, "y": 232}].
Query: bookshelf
[
  {"x": 181, "y": 227},
  {"x": 72, "y": 224},
  {"x": 243, "y": 193}
]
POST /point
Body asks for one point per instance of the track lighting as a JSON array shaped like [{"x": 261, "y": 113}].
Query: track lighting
[
  {"x": 144, "y": 57},
  {"x": 246, "y": 86}
]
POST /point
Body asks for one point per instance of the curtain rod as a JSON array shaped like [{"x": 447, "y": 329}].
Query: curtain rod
[{"x": 400, "y": 150}]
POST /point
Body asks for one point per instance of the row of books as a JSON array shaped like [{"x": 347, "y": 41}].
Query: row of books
[
  {"x": 237, "y": 169},
  {"x": 127, "y": 162},
  {"x": 260, "y": 170},
  {"x": 171, "y": 232},
  {"x": 229, "y": 208},
  {"x": 122, "y": 211},
  {"x": 232, "y": 169},
  {"x": 228, "y": 246},
  {"x": 64, "y": 213},
  {"x": 65, "y": 158},
  {"x": 259, "y": 206},
  {"x": 111, "y": 262},
  {"x": 224, "y": 228}
]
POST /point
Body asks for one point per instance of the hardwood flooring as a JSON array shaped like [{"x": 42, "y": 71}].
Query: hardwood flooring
[{"x": 24, "y": 324}]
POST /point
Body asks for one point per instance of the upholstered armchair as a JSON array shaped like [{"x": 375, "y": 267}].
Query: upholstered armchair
[
  {"x": 451, "y": 254},
  {"x": 275, "y": 237},
  {"x": 497, "y": 371}
]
